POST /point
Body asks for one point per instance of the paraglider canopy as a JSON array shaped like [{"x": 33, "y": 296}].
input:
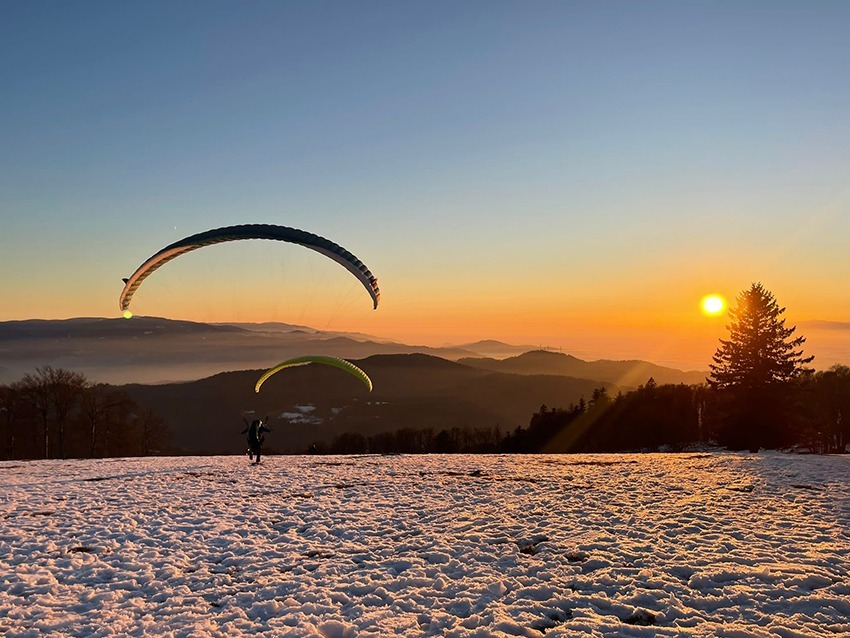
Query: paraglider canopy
[
  {"x": 251, "y": 231},
  {"x": 336, "y": 362}
]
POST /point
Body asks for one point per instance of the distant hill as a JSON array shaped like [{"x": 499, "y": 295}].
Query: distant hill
[
  {"x": 495, "y": 349},
  {"x": 157, "y": 350},
  {"x": 269, "y": 326},
  {"x": 277, "y": 326},
  {"x": 311, "y": 403},
  {"x": 629, "y": 374},
  {"x": 97, "y": 327}
]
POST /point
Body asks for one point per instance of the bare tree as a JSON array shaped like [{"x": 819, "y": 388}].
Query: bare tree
[
  {"x": 153, "y": 432},
  {"x": 9, "y": 407},
  {"x": 33, "y": 388},
  {"x": 65, "y": 388},
  {"x": 53, "y": 392},
  {"x": 98, "y": 402},
  {"x": 830, "y": 409}
]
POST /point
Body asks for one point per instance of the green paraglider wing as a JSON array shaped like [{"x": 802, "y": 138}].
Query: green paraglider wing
[
  {"x": 336, "y": 362},
  {"x": 252, "y": 231}
]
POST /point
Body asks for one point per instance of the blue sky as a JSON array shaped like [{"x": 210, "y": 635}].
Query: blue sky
[{"x": 492, "y": 162}]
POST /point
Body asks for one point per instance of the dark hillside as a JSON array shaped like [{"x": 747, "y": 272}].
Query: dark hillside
[
  {"x": 622, "y": 373},
  {"x": 315, "y": 402}
]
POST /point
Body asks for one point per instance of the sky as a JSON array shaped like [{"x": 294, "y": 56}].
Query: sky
[{"x": 575, "y": 175}]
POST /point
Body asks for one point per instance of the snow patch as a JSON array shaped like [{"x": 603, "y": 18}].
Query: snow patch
[{"x": 714, "y": 544}]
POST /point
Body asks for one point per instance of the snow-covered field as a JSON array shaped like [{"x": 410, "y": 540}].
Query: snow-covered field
[{"x": 608, "y": 545}]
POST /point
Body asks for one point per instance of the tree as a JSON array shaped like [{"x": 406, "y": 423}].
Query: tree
[
  {"x": 10, "y": 403},
  {"x": 34, "y": 390},
  {"x": 829, "y": 409},
  {"x": 65, "y": 388},
  {"x": 755, "y": 370},
  {"x": 54, "y": 394},
  {"x": 98, "y": 403}
]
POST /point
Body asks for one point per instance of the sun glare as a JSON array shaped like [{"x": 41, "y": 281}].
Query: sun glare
[
  {"x": 713, "y": 304},
  {"x": 127, "y": 314}
]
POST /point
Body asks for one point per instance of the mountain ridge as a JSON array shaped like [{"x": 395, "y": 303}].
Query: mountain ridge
[
  {"x": 624, "y": 373},
  {"x": 157, "y": 350}
]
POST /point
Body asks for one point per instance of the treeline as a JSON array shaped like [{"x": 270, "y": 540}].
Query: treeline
[
  {"x": 815, "y": 416},
  {"x": 820, "y": 416},
  {"x": 56, "y": 414},
  {"x": 416, "y": 441},
  {"x": 650, "y": 418}
]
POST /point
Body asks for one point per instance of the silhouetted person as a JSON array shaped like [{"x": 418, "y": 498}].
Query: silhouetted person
[{"x": 255, "y": 438}]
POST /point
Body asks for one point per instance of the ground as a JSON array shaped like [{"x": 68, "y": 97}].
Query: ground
[{"x": 708, "y": 544}]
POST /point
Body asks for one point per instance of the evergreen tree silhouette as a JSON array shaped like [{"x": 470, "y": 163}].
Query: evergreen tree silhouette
[{"x": 755, "y": 370}]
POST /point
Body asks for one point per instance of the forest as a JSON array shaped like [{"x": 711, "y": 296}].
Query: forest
[{"x": 57, "y": 413}]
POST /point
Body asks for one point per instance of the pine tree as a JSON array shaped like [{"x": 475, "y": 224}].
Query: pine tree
[{"x": 755, "y": 368}]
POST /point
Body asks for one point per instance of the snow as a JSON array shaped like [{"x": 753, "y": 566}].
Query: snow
[
  {"x": 302, "y": 416},
  {"x": 607, "y": 545}
]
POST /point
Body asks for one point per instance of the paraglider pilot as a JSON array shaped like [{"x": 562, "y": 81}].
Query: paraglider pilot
[{"x": 255, "y": 437}]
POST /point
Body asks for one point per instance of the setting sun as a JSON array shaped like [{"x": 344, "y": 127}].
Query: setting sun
[{"x": 713, "y": 304}]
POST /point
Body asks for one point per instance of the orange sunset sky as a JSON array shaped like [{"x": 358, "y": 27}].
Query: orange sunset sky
[{"x": 574, "y": 175}]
